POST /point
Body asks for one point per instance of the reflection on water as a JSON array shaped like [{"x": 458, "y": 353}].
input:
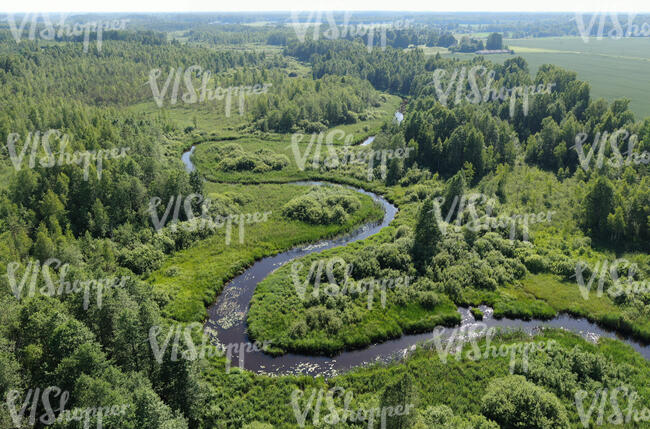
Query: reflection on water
[
  {"x": 189, "y": 165},
  {"x": 367, "y": 141}
]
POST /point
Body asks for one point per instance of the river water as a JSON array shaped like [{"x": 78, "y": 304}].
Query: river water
[{"x": 227, "y": 316}]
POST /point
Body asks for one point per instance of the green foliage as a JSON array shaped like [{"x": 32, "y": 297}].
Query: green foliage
[
  {"x": 467, "y": 44},
  {"x": 494, "y": 41},
  {"x": 102, "y": 227},
  {"x": 427, "y": 234},
  {"x": 442, "y": 417},
  {"x": 477, "y": 313},
  {"x": 402, "y": 392},
  {"x": 513, "y": 402},
  {"x": 314, "y": 105},
  {"x": 322, "y": 205},
  {"x": 231, "y": 157}
]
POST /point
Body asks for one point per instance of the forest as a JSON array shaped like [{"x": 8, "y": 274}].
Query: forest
[{"x": 514, "y": 208}]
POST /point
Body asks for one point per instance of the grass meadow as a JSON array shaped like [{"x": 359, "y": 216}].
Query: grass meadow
[
  {"x": 614, "y": 68},
  {"x": 192, "y": 278}
]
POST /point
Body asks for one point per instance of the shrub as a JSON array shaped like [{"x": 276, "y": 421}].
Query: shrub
[
  {"x": 536, "y": 263},
  {"x": 564, "y": 267},
  {"x": 143, "y": 259},
  {"x": 402, "y": 231},
  {"x": 514, "y": 402},
  {"x": 365, "y": 264},
  {"x": 232, "y": 157},
  {"x": 441, "y": 416},
  {"x": 298, "y": 329},
  {"x": 477, "y": 313},
  {"x": 428, "y": 300},
  {"x": 390, "y": 256},
  {"x": 322, "y": 205}
]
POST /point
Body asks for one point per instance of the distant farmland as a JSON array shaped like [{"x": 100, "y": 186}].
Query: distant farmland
[{"x": 613, "y": 68}]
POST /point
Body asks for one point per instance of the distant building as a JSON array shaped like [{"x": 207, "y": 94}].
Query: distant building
[{"x": 495, "y": 51}]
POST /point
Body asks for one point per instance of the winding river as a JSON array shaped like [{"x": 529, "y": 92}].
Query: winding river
[{"x": 227, "y": 316}]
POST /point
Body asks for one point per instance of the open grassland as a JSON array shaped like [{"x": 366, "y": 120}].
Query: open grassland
[
  {"x": 565, "y": 296},
  {"x": 614, "y": 68},
  {"x": 192, "y": 278}
]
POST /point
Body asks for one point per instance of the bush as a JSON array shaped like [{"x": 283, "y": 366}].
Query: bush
[
  {"x": 143, "y": 259},
  {"x": 477, "y": 313},
  {"x": 536, "y": 263},
  {"x": 441, "y": 416},
  {"x": 232, "y": 157},
  {"x": 365, "y": 264},
  {"x": 564, "y": 267},
  {"x": 390, "y": 256},
  {"x": 322, "y": 205},
  {"x": 514, "y": 402},
  {"x": 428, "y": 300}
]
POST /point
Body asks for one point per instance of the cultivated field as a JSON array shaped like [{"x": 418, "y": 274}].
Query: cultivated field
[{"x": 613, "y": 68}]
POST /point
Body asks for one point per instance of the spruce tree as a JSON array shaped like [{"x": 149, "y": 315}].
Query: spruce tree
[
  {"x": 427, "y": 235},
  {"x": 401, "y": 393}
]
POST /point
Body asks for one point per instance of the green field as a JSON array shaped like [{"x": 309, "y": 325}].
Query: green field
[{"x": 614, "y": 68}]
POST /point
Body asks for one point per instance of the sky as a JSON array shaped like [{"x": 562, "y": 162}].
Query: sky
[{"x": 303, "y": 5}]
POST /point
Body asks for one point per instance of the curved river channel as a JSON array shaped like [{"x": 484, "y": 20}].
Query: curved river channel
[{"x": 227, "y": 316}]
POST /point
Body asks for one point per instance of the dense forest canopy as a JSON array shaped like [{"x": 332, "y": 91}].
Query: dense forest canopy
[{"x": 90, "y": 142}]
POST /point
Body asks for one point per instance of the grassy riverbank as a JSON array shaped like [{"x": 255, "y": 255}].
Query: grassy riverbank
[{"x": 191, "y": 279}]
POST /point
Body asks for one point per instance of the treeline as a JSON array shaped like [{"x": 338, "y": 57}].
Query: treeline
[
  {"x": 481, "y": 124},
  {"x": 313, "y": 105},
  {"x": 96, "y": 225},
  {"x": 467, "y": 44},
  {"x": 237, "y": 34},
  {"x": 390, "y": 69},
  {"x": 118, "y": 74}
]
